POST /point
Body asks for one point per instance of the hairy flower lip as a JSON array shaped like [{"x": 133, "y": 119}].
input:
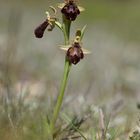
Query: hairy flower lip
[
  {"x": 75, "y": 53},
  {"x": 39, "y": 31},
  {"x": 70, "y": 10}
]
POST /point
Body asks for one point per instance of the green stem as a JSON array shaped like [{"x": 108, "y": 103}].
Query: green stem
[
  {"x": 61, "y": 95},
  {"x": 66, "y": 29}
]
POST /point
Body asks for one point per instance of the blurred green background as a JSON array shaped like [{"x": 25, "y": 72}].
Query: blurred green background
[
  {"x": 112, "y": 35},
  {"x": 110, "y": 74}
]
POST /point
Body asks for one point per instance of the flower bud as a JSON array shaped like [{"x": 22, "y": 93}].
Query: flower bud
[
  {"x": 39, "y": 31},
  {"x": 75, "y": 53},
  {"x": 70, "y": 10}
]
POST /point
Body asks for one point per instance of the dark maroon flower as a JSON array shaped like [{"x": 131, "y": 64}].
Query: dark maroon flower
[
  {"x": 75, "y": 53},
  {"x": 70, "y": 10},
  {"x": 39, "y": 31}
]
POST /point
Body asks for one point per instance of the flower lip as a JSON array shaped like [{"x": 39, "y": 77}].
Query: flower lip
[
  {"x": 39, "y": 31},
  {"x": 75, "y": 53},
  {"x": 70, "y": 10}
]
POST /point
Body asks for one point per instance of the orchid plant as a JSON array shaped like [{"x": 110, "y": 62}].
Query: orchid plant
[{"x": 74, "y": 51}]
